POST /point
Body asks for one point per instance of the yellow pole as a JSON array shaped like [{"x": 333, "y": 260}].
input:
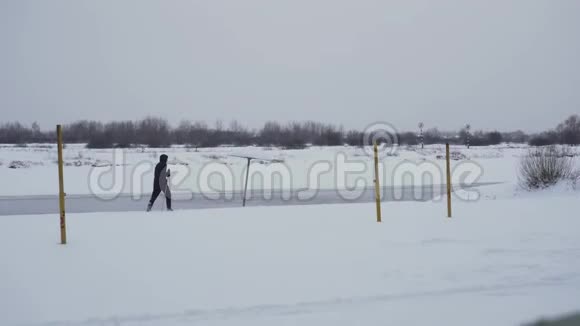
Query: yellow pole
[
  {"x": 448, "y": 180},
  {"x": 377, "y": 185},
  {"x": 61, "y": 193}
]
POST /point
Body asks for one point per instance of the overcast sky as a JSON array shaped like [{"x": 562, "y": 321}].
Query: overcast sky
[{"x": 496, "y": 64}]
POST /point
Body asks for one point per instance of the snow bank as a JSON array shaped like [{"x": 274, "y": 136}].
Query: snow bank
[{"x": 498, "y": 262}]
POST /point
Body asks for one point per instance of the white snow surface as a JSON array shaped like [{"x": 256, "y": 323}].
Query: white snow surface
[
  {"x": 496, "y": 262},
  {"x": 89, "y": 171}
]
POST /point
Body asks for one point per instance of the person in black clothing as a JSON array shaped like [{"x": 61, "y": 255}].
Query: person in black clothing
[{"x": 161, "y": 183}]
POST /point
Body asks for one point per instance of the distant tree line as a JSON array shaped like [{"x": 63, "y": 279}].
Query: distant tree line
[
  {"x": 157, "y": 132},
  {"x": 567, "y": 132}
]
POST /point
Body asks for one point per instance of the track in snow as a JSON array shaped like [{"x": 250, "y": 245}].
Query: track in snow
[{"x": 48, "y": 204}]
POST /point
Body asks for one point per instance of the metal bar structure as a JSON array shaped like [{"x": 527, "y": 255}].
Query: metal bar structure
[
  {"x": 249, "y": 158},
  {"x": 468, "y": 138},
  {"x": 61, "y": 193},
  {"x": 448, "y": 168},
  {"x": 247, "y": 177},
  {"x": 421, "y": 139},
  {"x": 468, "y": 134},
  {"x": 377, "y": 185}
]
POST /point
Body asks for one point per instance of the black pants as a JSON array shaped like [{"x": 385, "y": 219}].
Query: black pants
[{"x": 155, "y": 194}]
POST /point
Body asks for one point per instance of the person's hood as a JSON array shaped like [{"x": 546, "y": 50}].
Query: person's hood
[{"x": 163, "y": 158}]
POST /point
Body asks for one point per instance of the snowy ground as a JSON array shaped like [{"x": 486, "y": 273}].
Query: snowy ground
[
  {"x": 505, "y": 259},
  {"x": 90, "y": 171},
  {"x": 496, "y": 262}
]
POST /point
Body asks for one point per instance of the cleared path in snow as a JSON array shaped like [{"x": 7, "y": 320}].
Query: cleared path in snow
[{"x": 48, "y": 204}]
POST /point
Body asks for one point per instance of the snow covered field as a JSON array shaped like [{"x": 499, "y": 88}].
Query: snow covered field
[
  {"x": 214, "y": 170},
  {"x": 508, "y": 258},
  {"x": 496, "y": 262}
]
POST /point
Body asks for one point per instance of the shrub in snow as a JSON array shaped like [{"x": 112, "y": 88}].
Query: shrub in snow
[
  {"x": 575, "y": 179},
  {"x": 454, "y": 155},
  {"x": 544, "y": 167},
  {"x": 22, "y": 164},
  {"x": 215, "y": 157},
  {"x": 101, "y": 164},
  {"x": 77, "y": 163}
]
